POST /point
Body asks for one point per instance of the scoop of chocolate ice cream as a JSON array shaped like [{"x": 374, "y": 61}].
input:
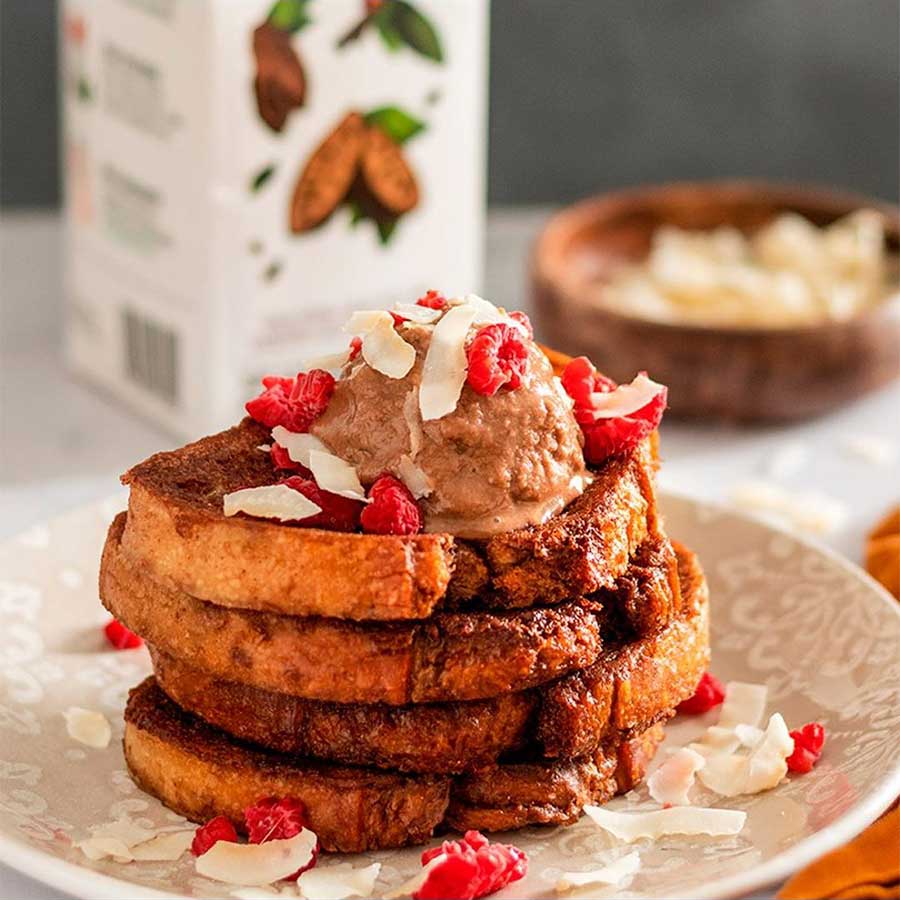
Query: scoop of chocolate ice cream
[{"x": 493, "y": 464}]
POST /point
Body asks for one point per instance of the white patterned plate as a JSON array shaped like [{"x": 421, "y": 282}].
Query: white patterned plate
[{"x": 819, "y": 632}]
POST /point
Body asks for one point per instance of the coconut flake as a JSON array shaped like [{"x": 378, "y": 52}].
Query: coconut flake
[
  {"x": 744, "y": 704},
  {"x": 338, "y": 882},
  {"x": 410, "y": 887},
  {"x": 444, "y": 371},
  {"x": 298, "y": 446},
  {"x": 732, "y": 774},
  {"x": 716, "y": 740},
  {"x": 870, "y": 448},
  {"x": 809, "y": 511},
  {"x": 749, "y": 735},
  {"x": 414, "y": 478},
  {"x": 382, "y": 347},
  {"x": 97, "y": 848},
  {"x": 614, "y": 873},
  {"x": 625, "y": 399},
  {"x": 691, "y": 820},
  {"x": 413, "y": 422},
  {"x": 335, "y": 475},
  {"x": 88, "y": 727},
  {"x": 419, "y": 315},
  {"x": 257, "y": 864},
  {"x": 671, "y": 782},
  {"x": 270, "y": 501},
  {"x": 165, "y": 847},
  {"x": 264, "y": 448}
]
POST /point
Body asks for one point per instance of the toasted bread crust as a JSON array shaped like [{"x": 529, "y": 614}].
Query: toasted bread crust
[
  {"x": 452, "y": 656},
  {"x": 201, "y": 773},
  {"x": 177, "y": 529},
  {"x": 628, "y": 689}
]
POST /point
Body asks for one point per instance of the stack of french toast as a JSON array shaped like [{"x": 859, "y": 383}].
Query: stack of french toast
[{"x": 400, "y": 684}]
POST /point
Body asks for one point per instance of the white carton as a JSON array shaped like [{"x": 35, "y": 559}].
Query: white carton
[{"x": 188, "y": 124}]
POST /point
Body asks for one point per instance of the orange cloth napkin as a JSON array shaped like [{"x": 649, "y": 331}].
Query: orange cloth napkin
[
  {"x": 868, "y": 867},
  {"x": 883, "y": 552}
]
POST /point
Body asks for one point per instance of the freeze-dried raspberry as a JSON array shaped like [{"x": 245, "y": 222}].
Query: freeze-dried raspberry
[
  {"x": 355, "y": 348},
  {"x": 580, "y": 379},
  {"x": 808, "y": 743},
  {"x": 398, "y": 319},
  {"x": 497, "y": 357},
  {"x": 294, "y": 403},
  {"x": 607, "y": 437},
  {"x": 121, "y": 637},
  {"x": 337, "y": 513},
  {"x": 432, "y": 300},
  {"x": 471, "y": 868},
  {"x": 215, "y": 830},
  {"x": 271, "y": 819},
  {"x": 709, "y": 693},
  {"x": 281, "y": 460},
  {"x": 392, "y": 510},
  {"x": 523, "y": 320}
]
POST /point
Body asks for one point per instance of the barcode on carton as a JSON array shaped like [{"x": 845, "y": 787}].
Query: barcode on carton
[{"x": 151, "y": 356}]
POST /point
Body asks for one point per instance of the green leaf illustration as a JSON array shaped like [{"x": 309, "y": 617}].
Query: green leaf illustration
[
  {"x": 386, "y": 229},
  {"x": 357, "y": 214},
  {"x": 289, "y": 15},
  {"x": 391, "y": 38},
  {"x": 416, "y": 30},
  {"x": 261, "y": 177},
  {"x": 83, "y": 89},
  {"x": 396, "y": 123}
]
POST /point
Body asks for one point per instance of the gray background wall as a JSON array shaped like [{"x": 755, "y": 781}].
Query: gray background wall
[{"x": 590, "y": 94}]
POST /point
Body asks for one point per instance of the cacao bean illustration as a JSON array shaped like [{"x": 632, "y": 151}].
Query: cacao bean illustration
[
  {"x": 280, "y": 83},
  {"x": 328, "y": 174},
  {"x": 387, "y": 174}
]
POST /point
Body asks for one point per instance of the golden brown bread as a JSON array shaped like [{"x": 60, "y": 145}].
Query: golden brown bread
[
  {"x": 176, "y": 528},
  {"x": 201, "y": 773},
  {"x": 632, "y": 686},
  {"x": 452, "y": 656}
]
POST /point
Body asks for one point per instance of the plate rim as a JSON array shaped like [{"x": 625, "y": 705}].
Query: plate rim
[{"x": 82, "y": 881}]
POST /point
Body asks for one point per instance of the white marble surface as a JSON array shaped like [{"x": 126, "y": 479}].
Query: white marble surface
[{"x": 62, "y": 443}]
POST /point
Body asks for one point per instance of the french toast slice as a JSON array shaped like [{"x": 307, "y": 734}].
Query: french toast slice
[
  {"x": 177, "y": 529},
  {"x": 630, "y": 687},
  {"x": 452, "y": 656},
  {"x": 200, "y": 773}
]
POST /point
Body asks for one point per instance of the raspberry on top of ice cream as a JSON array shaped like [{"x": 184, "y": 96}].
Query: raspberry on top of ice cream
[{"x": 453, "y": 402}]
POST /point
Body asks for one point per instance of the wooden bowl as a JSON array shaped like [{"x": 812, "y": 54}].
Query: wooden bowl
[{"x": 714, "y": 372}]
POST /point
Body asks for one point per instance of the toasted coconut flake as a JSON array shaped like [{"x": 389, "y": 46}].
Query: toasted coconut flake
[
  {"x": 98, "y": 847},
  {"x": 749, "y": 735},
  {"x": 165, "y": 847},
  {"x": 625, "y": 399},
  {"x": 88, "y": 727},
  {"x": 338, "y": 882},
  {"x": 614, "y": 873},
  {"x": 410, "y": 887},
  {"x": 716, "y": 740},
  {"x": 419, "y": 484},
  {"x": 444, "y": 371},
  {"x": 335, "y": 475},
  {"x": 672, "y": 781},
  {"x": 382, "y": 347},
  {"x": 257, "y": 864},
  {"x": 271, "y": 501},
  {"x": 744, "y": 704},
  {"x": 298, "y": 446},
  {"x": 264, "y": 448},
  {"x": 630, "y": 827},
  {"x": 420, "y": 315},
  {"x": 124, "y": 830}
]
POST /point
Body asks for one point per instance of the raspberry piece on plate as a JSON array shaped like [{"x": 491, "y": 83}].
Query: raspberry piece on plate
[
  {"x": 338, "y": 513},
  {"x": 215, "y": 830},
  {"x": 472, "y": 867},
  {"x": 392, "y": 510},
  {"x": 432, "y": 300},
  {"x": 121, "y": 637},
  {"x": 808, "y": 743},
  {"x": 294, "y": 403},
  {"x": 497, "y": 357},
  {"x": 709, "y": 693},
  {"x": 271, "y": 819}
]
